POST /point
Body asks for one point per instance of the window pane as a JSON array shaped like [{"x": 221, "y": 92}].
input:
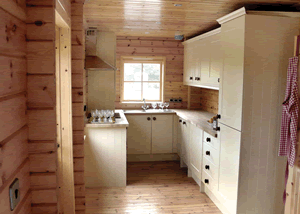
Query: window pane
[
  {"x": 151, "y": 72},
  {"x": 132, "y": 91},
  {"x": 132, "y": 71},
  {"x": 151, "y": 91}
]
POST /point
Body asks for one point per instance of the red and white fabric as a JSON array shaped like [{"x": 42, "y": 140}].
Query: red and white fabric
[{"x": 289, "y": 121}]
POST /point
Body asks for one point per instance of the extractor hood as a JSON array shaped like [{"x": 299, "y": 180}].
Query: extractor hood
[
  {"x": 95, "y": 63},
  {"x": 100, "y": 50}
]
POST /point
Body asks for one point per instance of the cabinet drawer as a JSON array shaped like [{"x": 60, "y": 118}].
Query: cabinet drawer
[
  {"x": 212, "y": 141},
  {"x": 210, "y": 169},
  {"x": 209, "y": 182},
  {"x": 211, "y": 154}
]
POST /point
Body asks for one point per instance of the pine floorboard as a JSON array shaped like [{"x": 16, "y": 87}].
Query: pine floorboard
[{"x": 152, "y": 188}]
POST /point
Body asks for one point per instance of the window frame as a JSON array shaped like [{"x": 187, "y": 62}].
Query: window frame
[{"x": 143, "y": 60}]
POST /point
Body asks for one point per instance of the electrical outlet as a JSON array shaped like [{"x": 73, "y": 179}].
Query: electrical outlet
[{"x": 14, "y": 194}]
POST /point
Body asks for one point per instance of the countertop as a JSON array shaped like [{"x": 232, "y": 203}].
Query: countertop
[
  {"x": 198, "y": 118},
  {"x": 120, "y": 122}
]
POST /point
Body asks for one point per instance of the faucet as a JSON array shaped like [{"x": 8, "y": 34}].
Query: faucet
[{"x": 145, "y": 107}]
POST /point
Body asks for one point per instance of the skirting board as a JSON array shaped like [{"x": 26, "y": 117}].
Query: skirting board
[
  {"x": 153, "y": 157},
  {"x": 216, "y": 201}
]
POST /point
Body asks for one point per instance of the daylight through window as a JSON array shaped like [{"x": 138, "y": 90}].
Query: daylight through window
[{"x": 142, "y": 80}]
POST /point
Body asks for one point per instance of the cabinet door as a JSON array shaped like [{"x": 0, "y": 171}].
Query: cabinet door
[
  {"x": 196, "y": 135},
  {"x": 205, "y": 61},
  {"x": 230, "y": 98},
  {"x": 188, "y": 64},
  {"x": 216, "y": 60},
  {"x": 162, "y": 134},
  {"x": 139, "y": 134},
  {"x": 198, "y": 54},
  {"x": 185, "y": 142},
  {"x": 179, "y": 136},
  {"x": 229, "y": 166}
]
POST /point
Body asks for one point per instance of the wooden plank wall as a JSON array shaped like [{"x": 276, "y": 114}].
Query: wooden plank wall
[
  {"x": 79, "y": 100},
  {"x": 14, "y": 157},
  {"x": 41, "y": 105},
  {"x": 155, "y": 46},
  {"x": 203, "y": 99}
]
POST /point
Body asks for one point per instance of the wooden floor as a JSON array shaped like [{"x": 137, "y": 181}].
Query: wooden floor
[{"x": 152, "y": 188}]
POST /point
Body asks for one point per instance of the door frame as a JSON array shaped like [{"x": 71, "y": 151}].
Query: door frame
[{"x": 65, "y": 168}]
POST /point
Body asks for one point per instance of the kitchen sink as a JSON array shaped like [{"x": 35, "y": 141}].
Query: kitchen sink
[{"x": 117, "y": 115}]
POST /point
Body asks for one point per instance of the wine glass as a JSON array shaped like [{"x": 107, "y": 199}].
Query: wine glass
[
  {"x": 100, "y": 115},
  {"x": 106, "y": 115},
  {"x": 166, "y": 104},
  {"x": 112, "y": 113},
  {"x": 154, "y": 105},
  {"x": 161, "y": 105},
  {"x": 93, "y": 112}
]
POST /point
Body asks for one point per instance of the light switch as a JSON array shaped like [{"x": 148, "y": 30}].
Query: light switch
[{"x": 14, "y": 194}]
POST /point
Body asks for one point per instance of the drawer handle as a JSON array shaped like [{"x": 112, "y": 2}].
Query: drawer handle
[
  {"x": 191, "y": 78},
  {"x": 184, "y": 123},
  {"x": 206, "y": 181},
  {"x": 154, "y": 118},
  {"x": 207, "y": 152},
  {"x": 207, "y": 167},
  {"x": 148, "y": 118},
  {"x": 208, "y": 139},
  {"x": 180, "y": 121}
]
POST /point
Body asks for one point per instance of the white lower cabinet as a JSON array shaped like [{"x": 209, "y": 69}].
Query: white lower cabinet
[
  {"x": 229, "y": 167},
  {"x": 184, "y": 134},
  {"x": 162, "y": 134},
  {"x": 139, "y": 134},
  {"x": 150, "y": 134},
  {"x": 196, "y": 135}
]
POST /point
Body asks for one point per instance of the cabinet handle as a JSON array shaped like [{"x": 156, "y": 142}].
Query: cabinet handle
[
  {"x": 218, "y": 79},
  {"x": 218, "y": 116},
  {"x": 180, "y": 121},
  {"x": 218, "y": 129},
  {"x": 207, "y": 167},
  {"x": 154, "y": 118},
  {"x": 148, "y": 118},
  {"x": 206, "y": 181},
  {"x": 207, "y": 152},
  {"x": 208, "y": 139},
  {"x": 191, "y": 78},
  {"x": 184, "y": 123},
  {"x": 197, "y": 78}
]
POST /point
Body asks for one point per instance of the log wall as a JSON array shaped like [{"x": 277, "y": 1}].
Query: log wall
[
  {"x": 79, "y": 100},
  {"x": 203, "y": 99},
  {"x": 41, "y": 105},
  {"x": 14, "y": 157}
]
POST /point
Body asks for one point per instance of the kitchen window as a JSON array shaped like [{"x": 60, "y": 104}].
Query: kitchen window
[{"x": 142, "y": 78}]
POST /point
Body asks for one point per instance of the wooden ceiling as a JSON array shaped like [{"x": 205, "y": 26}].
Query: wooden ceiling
[{"x": 162, "y": 19}]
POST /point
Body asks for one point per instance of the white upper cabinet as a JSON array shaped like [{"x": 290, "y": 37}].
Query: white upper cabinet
[
  {"x": 231, "y": 96},
  {"x": 203, "y": 60}
]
